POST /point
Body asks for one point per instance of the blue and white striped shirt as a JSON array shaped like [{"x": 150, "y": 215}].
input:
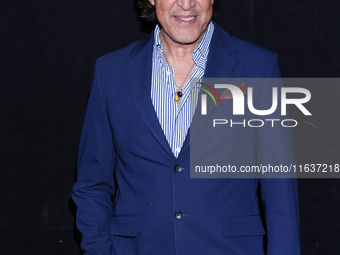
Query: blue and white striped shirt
[{"x": 175, "y": 119}]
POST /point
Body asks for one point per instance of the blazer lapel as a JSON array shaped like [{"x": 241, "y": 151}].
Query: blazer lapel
[
  {"x": 139, "y": 72},
  {"x": 220, "y": 64}
]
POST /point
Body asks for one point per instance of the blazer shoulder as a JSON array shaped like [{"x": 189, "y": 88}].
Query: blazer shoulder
[
  {"x": 255, "y": 60},
  {"x": 252, "y": 59},
  {"x": 237, "y": 45},
  {"x": 251, "y": 51},
  {"x": 119, "y": 58},
  {"x": 114, "y": 67}
]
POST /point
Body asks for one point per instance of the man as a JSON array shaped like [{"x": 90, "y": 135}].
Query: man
[{"x": 134, "y": 192}]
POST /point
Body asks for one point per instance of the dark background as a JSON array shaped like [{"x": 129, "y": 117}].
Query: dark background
[{"x": 48, "y": 50}]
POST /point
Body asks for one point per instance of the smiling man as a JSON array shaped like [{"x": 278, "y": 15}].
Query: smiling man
[{"x": 134, "y": 192}]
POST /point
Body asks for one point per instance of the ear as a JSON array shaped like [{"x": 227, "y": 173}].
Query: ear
[{"x": 152, "y": 2}]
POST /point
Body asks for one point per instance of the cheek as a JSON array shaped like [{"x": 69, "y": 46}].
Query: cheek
[{"x": 208, "y": 11}]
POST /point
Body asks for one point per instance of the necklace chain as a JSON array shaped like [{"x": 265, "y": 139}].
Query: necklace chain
[{"x": 179, "y": 90}]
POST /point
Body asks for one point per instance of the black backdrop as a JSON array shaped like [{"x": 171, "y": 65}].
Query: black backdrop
[{"x": 47, "y": 54}]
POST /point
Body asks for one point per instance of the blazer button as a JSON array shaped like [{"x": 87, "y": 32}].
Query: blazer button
[
  {"x": 178, "y": 168},
  {"x": 178, "y": 215}
]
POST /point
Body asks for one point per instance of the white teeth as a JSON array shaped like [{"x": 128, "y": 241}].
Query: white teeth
[{"x": 187, "y": 19}]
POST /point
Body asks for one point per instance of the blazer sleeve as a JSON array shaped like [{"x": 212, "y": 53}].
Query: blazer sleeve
[
  {"x": 94, "y": 188},
  {"x": 279, "y": 196}
]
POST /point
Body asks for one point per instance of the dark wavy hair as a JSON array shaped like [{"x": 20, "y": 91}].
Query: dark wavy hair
[{"x": 148, "y": 11}]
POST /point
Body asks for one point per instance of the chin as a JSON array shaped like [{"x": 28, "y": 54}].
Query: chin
[{"x": 188, "y": 40}]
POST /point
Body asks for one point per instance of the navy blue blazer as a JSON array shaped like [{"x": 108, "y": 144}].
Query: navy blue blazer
[{"x": 127, "y": 191}]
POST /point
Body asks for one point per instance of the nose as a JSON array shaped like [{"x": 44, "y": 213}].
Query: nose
[{"x": 186, "y": 5}]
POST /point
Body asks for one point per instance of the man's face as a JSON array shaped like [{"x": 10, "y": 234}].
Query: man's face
[{"x": 183, "y": 21}]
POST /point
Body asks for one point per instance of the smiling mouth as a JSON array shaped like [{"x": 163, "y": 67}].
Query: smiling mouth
[{"x": 186, "y": 19}]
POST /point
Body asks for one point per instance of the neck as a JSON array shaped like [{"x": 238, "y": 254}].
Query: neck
[{"x": 175, "y": 51}]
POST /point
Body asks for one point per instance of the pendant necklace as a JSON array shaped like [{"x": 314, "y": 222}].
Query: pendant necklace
[{"x": 179, "y": 90}]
